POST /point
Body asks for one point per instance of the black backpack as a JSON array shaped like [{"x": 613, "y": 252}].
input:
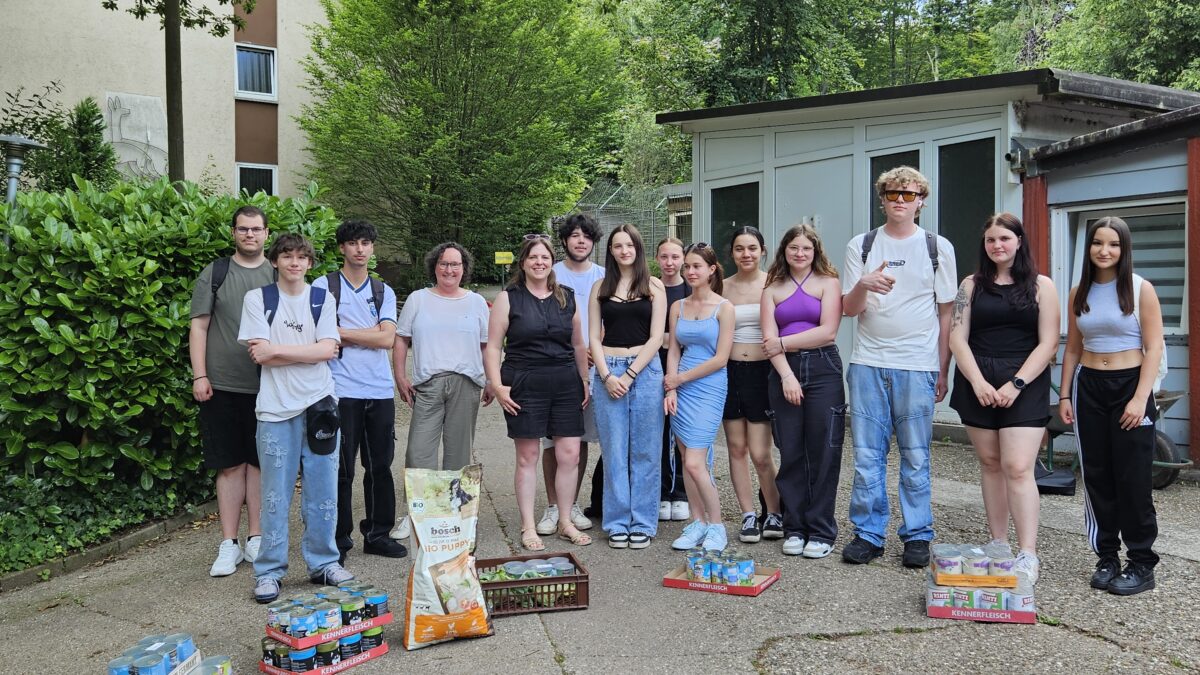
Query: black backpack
[
  {"x": 334, "y": 279},
  {"x": 930, "y": 243},
  {"x": 220, "y": 270}
]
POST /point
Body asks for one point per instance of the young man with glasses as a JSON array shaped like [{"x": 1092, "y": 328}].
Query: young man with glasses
[
  {"x": 578, "y": 235},
  {"x": 899, "y": 280},
  {"x": 366, "y": 319},
  {"x": 225, "y": 384}
]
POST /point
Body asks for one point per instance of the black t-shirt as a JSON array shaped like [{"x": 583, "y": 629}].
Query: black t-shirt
[{"x": 539, "y": 331}]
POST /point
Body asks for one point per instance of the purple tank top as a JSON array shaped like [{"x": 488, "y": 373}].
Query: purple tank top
[{"x": 799, "y": 312}]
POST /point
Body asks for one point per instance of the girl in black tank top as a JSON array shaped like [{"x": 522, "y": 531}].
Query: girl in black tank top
[{"x": 1003, "y": 334}]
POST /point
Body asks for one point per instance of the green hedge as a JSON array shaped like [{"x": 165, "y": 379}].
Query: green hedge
[{"x": 95, "y": 289}]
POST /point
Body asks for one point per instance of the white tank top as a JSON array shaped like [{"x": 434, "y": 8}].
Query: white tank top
[{"x": 747, "y": 328}]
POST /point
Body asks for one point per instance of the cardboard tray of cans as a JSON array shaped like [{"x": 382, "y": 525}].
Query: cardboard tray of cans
[
  {"x": 545, "y": 594},
  {"x": 972, "y": 580},
  {"x": 981, "y": 614},
  {"x": 311, "y": 640},
  {"x": 763, "y": 578},
  {"x": 355, "y": 660}
]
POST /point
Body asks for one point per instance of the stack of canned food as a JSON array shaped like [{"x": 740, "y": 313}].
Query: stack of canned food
[
  {"x": 162, "y": 654},
  {"x": 729, "y": 567},
  {"x": 327, "y": 609},
  {"x": 536, "y": 568},
  {"x": 994, "y": 560}
]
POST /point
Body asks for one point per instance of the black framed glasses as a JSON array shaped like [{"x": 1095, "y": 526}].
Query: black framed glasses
[{"x": 907, "y": 195}]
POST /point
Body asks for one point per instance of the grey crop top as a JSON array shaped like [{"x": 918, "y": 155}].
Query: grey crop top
[
  {"x": 1104, "y": 328},
  {"x": 747, "y": 326}
]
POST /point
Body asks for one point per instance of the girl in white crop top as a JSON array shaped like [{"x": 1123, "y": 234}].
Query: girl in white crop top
[
  {"x": 747, "y": 405},
  {"x": 1109, "y": 368}
]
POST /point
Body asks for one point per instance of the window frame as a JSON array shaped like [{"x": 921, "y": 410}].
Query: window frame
[
  {"x": 237, "y": 175},
  {"x": 244, "y": 95}
]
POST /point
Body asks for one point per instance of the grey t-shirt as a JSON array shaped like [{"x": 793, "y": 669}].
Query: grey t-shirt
[{"x": 229, "y": 365}]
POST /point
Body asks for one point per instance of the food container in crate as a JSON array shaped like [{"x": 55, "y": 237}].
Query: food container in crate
[{"x": 544, "y": 582}]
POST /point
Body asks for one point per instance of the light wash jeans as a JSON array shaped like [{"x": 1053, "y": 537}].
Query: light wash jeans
[
  {"x": 631, "y": 429},
  {"x": 883, "y": 400},
  {"x": 282, "y": 452}
]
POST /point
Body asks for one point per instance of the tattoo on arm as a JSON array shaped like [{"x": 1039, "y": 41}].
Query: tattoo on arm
[{"x": 960, "y": 303}]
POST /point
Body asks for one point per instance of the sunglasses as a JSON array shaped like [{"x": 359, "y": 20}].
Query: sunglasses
[
  {"x": 896, "y": 195},
  {"x": 534, "y": 236},
  {"x": 698, "y": 246}
]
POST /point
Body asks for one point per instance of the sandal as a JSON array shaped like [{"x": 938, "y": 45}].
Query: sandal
[
  {"x": 532, "y": 542},
  {"x": 579, "y": 538}
]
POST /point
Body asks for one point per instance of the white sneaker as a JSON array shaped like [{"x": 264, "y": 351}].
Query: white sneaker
[
  {"x": 794, "y": 545},
  {"x": 579, "y": 520},
  {"x": 549, "y": 522},
  {"x": 228, "y": 557},
  {"x": 402, "y": 530},
  {"x": 250, "y": 552},
  {"x": 680, "y": 511},
  {"x": 692, "y": 536},
  {"x": 817, "y": 549},
  {"x": 664, "y": 510},
  {"x": 1028, "y": 564}
]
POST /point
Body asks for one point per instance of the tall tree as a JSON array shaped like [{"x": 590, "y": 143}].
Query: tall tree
[
  {"x": 174, "y": 15},
  {"x": 472, "y": 120}
]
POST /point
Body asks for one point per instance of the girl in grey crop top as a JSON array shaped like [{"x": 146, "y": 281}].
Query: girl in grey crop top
[{"x": 1104, "y": 328}]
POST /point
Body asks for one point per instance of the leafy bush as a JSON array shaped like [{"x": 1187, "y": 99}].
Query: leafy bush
[
  {"x": 75, "y": 146},
  {"x": 95, "y": 290}
]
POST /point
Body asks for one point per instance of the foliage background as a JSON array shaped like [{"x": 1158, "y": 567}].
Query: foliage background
[{"x": 97, "y": 420}]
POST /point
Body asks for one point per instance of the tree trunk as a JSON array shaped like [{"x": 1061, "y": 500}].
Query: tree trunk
[{"x": 174, "y": 63}]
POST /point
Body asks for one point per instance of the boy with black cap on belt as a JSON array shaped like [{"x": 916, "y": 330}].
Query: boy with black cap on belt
[{"x": 291, "y": 332}]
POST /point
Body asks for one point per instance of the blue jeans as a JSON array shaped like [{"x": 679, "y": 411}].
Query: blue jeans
[
  {"x": 883, "y": 400},
  {"x": 282, "y": 452},
  {"x": 631, "y": 429}
]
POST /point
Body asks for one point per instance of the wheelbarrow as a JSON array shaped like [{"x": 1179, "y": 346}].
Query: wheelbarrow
[{"x": 1168, "y": 457}]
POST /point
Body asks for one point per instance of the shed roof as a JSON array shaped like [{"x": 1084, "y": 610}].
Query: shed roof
[
  {"x": 1049, "y": 82},
  {"x": 1165, "y": 128}
]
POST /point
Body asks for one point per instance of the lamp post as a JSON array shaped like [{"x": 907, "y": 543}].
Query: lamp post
[{"x": 15, "y": 148}]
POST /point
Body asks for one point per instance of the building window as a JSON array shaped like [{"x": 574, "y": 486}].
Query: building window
[
  {"x": 1159, "y": 253},
  {"x": 732, "y": 207},
  {"x": 254, "y": 178},
  {"x": 255, "y": 77},
  {"x": 966, "y": 197}
]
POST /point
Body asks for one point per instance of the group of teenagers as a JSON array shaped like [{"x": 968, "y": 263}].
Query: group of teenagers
[{"x": 651, "y": 367}]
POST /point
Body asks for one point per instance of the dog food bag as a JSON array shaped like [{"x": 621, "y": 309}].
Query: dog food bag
[{"x": 445, "y": 601}]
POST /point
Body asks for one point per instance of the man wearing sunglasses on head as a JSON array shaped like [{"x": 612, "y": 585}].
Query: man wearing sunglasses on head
[{"x": 899, "y": 280}]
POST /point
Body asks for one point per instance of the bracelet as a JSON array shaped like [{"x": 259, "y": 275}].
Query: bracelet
[
  {"x": 605, "y": 378},
  {"x": 197, "y": 379},
  {"x": 632, "y": 373},
  {"x": 781, "y": 347},
  {"x": 785, "y": 377}
]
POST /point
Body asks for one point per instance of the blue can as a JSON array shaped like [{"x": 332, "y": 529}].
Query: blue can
[
  {"x": 746, "y": 569},
  {"x": 184, "y": 645},
  {"x": 122, "y": 665},
  {"x": 304, "y": 623},
  {"x": 714, "y": 570},
  {"x": 150, "y": 664},
  {"x": 376, "y": 601},
  {"x": 732, "y": 572},
  {"x": 303, "y": 660},
  {"x": 351, "y": 645}
]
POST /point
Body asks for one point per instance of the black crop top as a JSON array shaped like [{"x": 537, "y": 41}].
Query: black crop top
[
  {"x": 1000, "y": 330},
  {"x": 626, "y": 324},
  {"x": 539, "y": 331}
]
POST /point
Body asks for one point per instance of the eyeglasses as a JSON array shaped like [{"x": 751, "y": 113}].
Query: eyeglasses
[
  {"x": 698, "y": 246},
  {"x": 250, "y": 230},
  {"x": 896, "y": 195},
  {"x": 533, "y": 236},
  {"x": 450, "y": 265}
]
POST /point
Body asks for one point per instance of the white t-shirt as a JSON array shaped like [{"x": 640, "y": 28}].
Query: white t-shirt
[
  {"x": 900, "y": 329},
  {"x": 581, "y": 283},
  {"x": 285, "y": 391},
  {"x": 446, "y": 334},
  {"x": 362, "y": 372}
]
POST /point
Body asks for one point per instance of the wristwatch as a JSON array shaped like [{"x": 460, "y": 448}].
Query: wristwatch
[{"x": 1018, "y": 383}]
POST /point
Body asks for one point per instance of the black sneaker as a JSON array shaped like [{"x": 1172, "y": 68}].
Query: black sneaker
[
  {"x": 639, "y": 540},
  {"x": 594, "y": 511},
  {"x": 860, "y": 552},
  {"x": 386, "y": 547},
  {"x": 1106, "y": 570},
  {"x": 916, "y": 553},
  {"x": 772, "y": 526},
  {"x": 750, "y": 533},
  {"x": 1134, "y": 579}
]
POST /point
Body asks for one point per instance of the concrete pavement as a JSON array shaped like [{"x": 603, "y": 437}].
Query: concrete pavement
[{"x": 822, "y": 614}]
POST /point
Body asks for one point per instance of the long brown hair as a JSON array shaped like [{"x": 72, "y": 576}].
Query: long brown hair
[
  {"x": 518, "y": 276},
  {"x": 639, "y": 287},
  {"x": 1024, "y": 274},
  {"x": 780, "y": 269},
  {"x": 716, "y": 282},
  {"x": 1124, "y": 267}
]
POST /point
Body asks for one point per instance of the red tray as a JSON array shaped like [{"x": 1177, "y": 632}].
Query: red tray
[
  {"x": 308, "y": 641},
  {"x": 990, "y": 615},
  {"x": 329, "y": 670},
  {"x": 763, "y": 578}
]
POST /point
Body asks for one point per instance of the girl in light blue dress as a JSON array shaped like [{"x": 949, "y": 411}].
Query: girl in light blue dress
[{"x": 701, "y": 339}]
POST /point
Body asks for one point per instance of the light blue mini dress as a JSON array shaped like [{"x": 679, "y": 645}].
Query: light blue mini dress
[{"x": 700, "y": 402}]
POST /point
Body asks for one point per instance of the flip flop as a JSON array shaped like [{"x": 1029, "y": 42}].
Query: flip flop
[
  {"x": 532, "y": 542},
  {"x": 579, "y": 538}
]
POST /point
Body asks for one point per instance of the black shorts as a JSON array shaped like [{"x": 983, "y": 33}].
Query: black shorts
[
  {"x": 551, "y": 400},
  {"x": 747, "y": 393},
  {"x": 228, "y": 426},
  {"x": 1030, "y": 409}
]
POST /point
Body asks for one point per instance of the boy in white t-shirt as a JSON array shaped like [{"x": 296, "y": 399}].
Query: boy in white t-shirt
[
  {"x": 898, "y": 368},
  {"x": 291, "y": 333}
]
